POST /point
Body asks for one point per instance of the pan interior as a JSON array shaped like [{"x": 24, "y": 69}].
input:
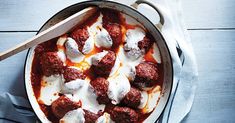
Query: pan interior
[{"x": 165, "y": 55}]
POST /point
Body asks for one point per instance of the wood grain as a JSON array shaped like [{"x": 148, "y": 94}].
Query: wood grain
[
  {"x": 214, "y": 101},
  {"x": 29, "y": 15},
  {"x": 206, "y": 14},
  {"x": 12, "y": 69}
]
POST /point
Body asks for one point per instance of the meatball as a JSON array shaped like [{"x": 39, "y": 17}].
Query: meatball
[
  {"x": 90, "y": 117},
  {"x": 80, "y": 36},
  {"x": 51, "y": 64},
  {"x": 48, "y": 46},
  {"x": 145, "y": 44},
  {"x": 100, "y": 86},
  {"x": 110, "y": 16},
  {"x": 146, "y": 74},
  {"x": 124, "y": 115},
  {"x": 132, "y": 98},
  {"x": 114, "y": 30},
  {"x": 105, "y": 65},
  {"x": 72, "y": 74},
  {"x": 63, "y": 105}
]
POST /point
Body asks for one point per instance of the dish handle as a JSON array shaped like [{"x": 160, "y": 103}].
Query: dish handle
[{"x": 155, "y": 7}]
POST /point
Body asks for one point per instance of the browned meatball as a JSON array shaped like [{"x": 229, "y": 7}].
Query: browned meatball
[
  {"x": 132, "y": 98},
  {"x": 104, "y": 67},
  {"x": 72, "y": 74},
  {"x": 90, "y": 117},
  {"x": 110, "y": 16},
  {"x": 124, "y": 115},
  {"x": 80, "y": 36},
  {"x": 114, "y": 30},
  {"x": 100, "y": 86},
  {"x": 146, "y": 74},
  {"x": 51, "y": 64},
  {"x": 63, "y": 105},
  {"x": 48, "y": 46},
  {"x": 145, "y": 44}
]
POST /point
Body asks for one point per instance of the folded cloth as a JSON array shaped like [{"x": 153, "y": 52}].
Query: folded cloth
[{"x": 17, "y": 109}]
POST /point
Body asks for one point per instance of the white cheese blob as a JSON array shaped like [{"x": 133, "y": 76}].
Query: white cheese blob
[
  {"x": 89, "y": 43},
  {"x": 103, "y": 39},
  {"x": 88, "y": 98},
  {"x": 133, "y": 36},
  {"x": 74, "y": 116},
  {"x": 128, "y": 64},
  {"x": 116, "y": 67},
  {"x": 62, "y": 56},
  {"x": 105, "y": 118},
  {"x": 61, "y": 41},
  {"x": 72, "y": 86},
  {"x": 72, "y": 51},
  {"x": 156, "y": 53},
  {"x": 119, "y": 86},
  {"x": 153, "y": 99},
  {"x": 97, "y": 57},
  {"x": 50, "y": 88},
  {"x": 94, "y": 28},
  {"x": 72, "y": 48}
]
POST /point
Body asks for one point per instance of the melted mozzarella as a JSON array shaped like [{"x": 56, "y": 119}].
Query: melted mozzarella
[
  {"x": 72, "y": 48},
  {"x": 153, "y": 99},
  {"x": 103, "y": 39},
  {"x": 89, "y": 43},
  {"x": 97, "y": 57},
  {"x": 116, "y": 67},
  {"x": 119, "y": 86},
  {"x": 100, "y": 35},
  {"x": 72, "y": 86},
  {"x": 50, "y": 88},
  {"x": 128, "y": 64},
  {"x": 72, "y": 51},
  {"x": 88, "y": 97},
  {"x": 62, "y": 56},
  {"x": 61, "y": 41},
  {"x": 133, "y": 36},
  {"x": 156, "y": 53},
  {"x": 94, "y": 27},
  {"x": 105, "y": 118},
  {"x": 74, "y": 116}
]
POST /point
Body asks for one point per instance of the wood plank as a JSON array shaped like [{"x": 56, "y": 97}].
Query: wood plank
[
  {"x": 30, "y": 15},
  {"x": 12, "y": 69},
  {"x": 214, "y": 100},
  {"x": 209, "y": 13}
]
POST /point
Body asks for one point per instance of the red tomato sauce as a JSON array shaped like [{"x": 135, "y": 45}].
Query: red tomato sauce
[{"x": 109, "y": 16}]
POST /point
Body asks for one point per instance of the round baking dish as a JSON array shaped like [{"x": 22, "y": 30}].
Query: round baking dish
[{"x": 131, "y": 11}]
